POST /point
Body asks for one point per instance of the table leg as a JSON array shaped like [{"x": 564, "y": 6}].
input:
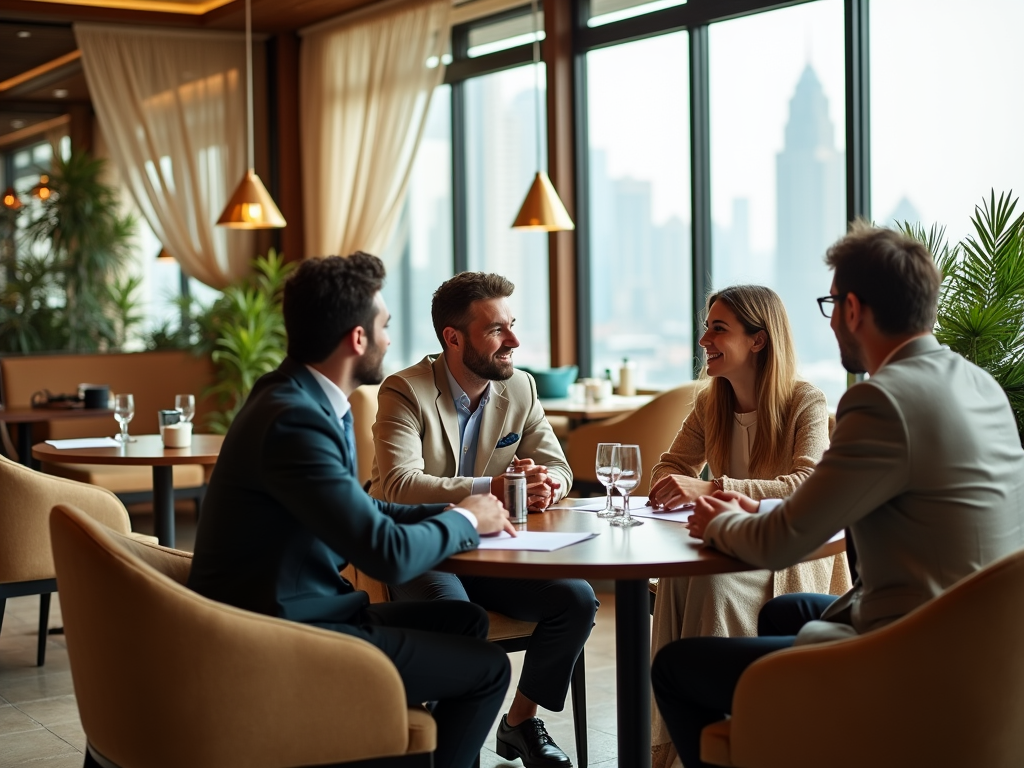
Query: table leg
[
  {"x": 163, "y": 504},
  {"x": 25, "y": 444},
  {"x": 633, "y": 671}
]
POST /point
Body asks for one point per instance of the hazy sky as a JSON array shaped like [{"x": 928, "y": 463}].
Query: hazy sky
[{"x": 945, "y": 101}]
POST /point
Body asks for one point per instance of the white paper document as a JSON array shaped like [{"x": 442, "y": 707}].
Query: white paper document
[
  {"x": 638, "y": 508},
  {"x": 534, "y": 541},
  {"x": 85, "y": 442}
]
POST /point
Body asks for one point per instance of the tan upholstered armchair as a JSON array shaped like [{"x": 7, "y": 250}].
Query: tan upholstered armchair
[
  {"x": 652, "y": 427},
  {"x": 26, "y": 562},
  {"x": 364, "y": 412},
  {"x": 165, "y": 677},
  {"x": 944, "y": 686}
]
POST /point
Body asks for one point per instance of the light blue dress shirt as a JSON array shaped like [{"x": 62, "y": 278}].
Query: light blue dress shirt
[{"x": 469, "y": 431}]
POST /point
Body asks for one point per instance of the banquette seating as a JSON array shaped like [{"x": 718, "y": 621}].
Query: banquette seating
[{"x": 154, "y": 378}]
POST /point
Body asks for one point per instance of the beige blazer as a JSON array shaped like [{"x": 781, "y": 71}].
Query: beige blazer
[
  {"x": 806, "y": 441},
  {"x": 416, "y": 436},
  {"x": 926, "y": 469}
]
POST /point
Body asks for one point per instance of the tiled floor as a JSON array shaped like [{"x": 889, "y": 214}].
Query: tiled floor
[{"x": 39, "y": 722}]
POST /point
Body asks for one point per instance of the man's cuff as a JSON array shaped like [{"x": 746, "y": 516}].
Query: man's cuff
[
  {"x": 466, "y": 514},
  {"x": 767, "y": 505},
  {"x": 481, "y": 485}
]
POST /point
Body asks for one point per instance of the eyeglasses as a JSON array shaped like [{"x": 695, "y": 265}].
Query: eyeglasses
[{"x": 826, "y": 303}]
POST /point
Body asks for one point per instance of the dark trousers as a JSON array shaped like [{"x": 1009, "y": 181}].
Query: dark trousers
[
  {"x": 694, "y": 679},
  {"x": 563, "y": 609},
  {"x": 442, "y": 654}
]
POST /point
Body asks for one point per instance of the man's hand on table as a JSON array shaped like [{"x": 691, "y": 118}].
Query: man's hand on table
[
  {"x": 707, "y": 508},
  {"x": 491, "y": 516},
  {"x": 540, "y": 486}
]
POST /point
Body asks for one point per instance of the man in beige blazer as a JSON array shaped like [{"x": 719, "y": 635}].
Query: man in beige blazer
[
  {"x": 451, "y": 425},
  {"x": 925, "y": 472}
]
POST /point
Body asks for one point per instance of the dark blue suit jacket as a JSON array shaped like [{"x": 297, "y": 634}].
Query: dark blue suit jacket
[{"x": 284, "y": 512}]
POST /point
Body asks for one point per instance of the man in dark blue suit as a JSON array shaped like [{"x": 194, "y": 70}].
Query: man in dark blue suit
[{"x": 284, "y": 512}]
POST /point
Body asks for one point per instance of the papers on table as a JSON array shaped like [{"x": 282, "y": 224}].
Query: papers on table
[
  {"x": 84, "y": 442},
  {"x": 638, "y": 508},
  {"x": 534, "y": 541}
]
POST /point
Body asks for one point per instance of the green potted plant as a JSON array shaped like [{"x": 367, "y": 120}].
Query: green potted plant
[
  {"x": 981, "y": 302},
  {"x": 62, "y": 289},
  {"x": 247, "y": 326}
]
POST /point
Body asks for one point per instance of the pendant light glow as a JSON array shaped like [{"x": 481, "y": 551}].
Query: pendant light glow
[
  {"x": 542, "y": 210},
  {"x": 250, "y": 206}
]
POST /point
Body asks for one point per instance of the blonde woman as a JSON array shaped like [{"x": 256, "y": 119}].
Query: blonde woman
[{"x": 761, "y": 432}]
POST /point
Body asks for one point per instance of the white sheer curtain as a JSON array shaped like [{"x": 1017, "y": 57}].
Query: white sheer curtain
[
  {"x": 365, "y": 89},
  {"x": 172, "y": 107}
]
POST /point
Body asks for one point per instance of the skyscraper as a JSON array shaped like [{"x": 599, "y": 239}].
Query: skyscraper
[{"x": 811, "y": 214}]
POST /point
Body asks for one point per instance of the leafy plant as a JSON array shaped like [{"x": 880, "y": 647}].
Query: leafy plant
[
  {"x": 981, "y": 301},
  {"x": 248, "y": 325},
  {"x": 58, "y": 289}
]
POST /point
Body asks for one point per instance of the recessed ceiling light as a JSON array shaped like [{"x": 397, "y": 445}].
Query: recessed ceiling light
[
  {"x": 60, "y": 93},
  {"x": 24, "y": 33},
  {"x": 16, "y": 124}
]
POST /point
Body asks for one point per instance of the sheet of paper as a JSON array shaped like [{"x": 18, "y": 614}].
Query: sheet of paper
[
  {"x": 534, "y": 541},
  {"x": 84, "y": 442},
  {"x": 636, "y": 503}
]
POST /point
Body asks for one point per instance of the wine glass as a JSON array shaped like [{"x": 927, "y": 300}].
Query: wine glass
[
  {"x": 627, "y": 459},
  {"x": 606, "y": 473},
  {"x": 187, "y": 405},
  {"x": 124, "y": 411}
]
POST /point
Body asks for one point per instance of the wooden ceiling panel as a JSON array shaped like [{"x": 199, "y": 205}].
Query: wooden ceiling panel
[{"x": 45, "y": 42}]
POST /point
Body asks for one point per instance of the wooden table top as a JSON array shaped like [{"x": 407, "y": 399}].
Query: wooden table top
[
  {"x": 610, "y": 406},
  {"x": 147, "y": 450},
  {"x": 35, "y": 415},
  {"x": 656, "y": 548}
]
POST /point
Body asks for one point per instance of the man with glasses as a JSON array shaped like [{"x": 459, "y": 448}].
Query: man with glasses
[{"x": 925, "y": 472}]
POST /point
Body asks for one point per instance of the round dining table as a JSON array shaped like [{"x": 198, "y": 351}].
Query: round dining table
[
  {"x": 630, "y": 557},
  {"x": 144, "y": 450}
]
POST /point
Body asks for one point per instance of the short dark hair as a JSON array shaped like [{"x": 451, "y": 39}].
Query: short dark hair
[
  {"x": 893, "y": 274},
  {"x": 453, "y": 298},
  {"x": 325, "y": 298}
]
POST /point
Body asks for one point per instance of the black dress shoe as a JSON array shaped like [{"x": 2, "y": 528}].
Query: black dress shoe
[{"x": 530, "y": 741}]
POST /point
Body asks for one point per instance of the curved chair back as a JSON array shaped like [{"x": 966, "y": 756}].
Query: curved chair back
[
  {"x": 652, "y": 427},
  {"x": 164, "y": 677},
  {"x": 942, "y": 686},
  {"x": 25, "y": 503},
  {"x": 364, "y": 412}
]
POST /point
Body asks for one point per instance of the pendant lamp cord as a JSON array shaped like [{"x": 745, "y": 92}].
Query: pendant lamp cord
[
  {"x": 536, "y": 74},
  {"x": 248, "y": 78}
]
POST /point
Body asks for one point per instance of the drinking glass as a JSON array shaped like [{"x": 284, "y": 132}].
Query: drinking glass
[
  {"x": 124, "y": 411},
  {"x": 187, "y": 405},
  {"x": 627, "y": 459},
  {"x": 606, "y": 474}
]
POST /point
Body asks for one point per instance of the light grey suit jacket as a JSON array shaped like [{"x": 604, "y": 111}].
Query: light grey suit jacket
[
  {"x": 416, "y": 435},
  {"x": 925, "y": 467}
]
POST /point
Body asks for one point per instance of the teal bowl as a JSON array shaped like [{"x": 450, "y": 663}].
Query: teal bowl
[{"x": 554, "y": 382}]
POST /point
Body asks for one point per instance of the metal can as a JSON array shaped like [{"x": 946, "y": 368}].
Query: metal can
[{"x": 515, "y": 495}]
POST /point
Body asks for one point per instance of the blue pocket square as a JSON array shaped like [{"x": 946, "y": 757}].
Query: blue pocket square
[{"x": 510, "y": 439}]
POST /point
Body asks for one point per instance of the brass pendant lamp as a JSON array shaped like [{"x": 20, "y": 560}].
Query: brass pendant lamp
[
  {"x": 542, "y": 209},
  {"x": 251, "y": 206}
]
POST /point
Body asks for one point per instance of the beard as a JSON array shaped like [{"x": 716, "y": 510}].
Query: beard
[
  {"x": 488, "y": 368},
  {"x": 849, "y": 350},
  {"x": 370, "y": 368}
]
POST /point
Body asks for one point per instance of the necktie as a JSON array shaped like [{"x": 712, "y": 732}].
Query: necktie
[{"x": 350, "y": 439}]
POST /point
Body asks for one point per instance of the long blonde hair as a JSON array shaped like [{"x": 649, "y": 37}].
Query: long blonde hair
[{"x": 758, "y": 309}]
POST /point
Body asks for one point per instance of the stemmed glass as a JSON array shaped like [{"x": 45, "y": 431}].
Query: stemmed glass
[
  {"x": 606, "y": 474},
  {"x": 124, "y": 411},
  {"x": 627, "y": 459},
  {"x": 187, "y": 405}
]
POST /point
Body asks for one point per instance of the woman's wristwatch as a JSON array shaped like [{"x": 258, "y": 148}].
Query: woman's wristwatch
[{"x": 719, "y": 485}]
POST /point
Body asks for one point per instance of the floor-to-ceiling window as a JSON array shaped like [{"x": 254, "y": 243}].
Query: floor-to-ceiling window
[
  {"x": 946, "y": 109},
  {"x": 639, "y": 204},
  {"x": 500, "y": 161},
  {"x": 778, "y": 180},
  {"x": 419, "y": 256}
]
